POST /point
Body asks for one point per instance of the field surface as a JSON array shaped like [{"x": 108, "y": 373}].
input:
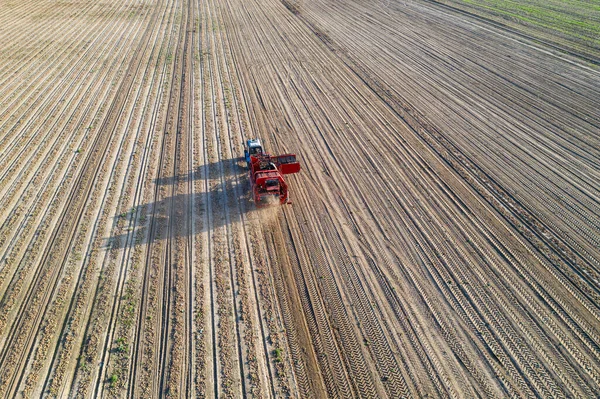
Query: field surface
[
  {"x": 444, "y": 239},
  {"x": 573, "y": 25}
]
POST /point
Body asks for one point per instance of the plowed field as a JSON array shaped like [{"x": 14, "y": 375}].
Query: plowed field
[{"x": 444, "y": 237}]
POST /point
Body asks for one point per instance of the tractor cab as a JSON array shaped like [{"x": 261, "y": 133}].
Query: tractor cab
[{"x": 253, "y": 148}]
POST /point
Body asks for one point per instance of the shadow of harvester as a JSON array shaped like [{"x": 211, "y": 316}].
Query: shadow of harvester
[{"x": 221, "y": 195}]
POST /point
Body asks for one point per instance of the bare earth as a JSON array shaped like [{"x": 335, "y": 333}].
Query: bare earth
[{"x": 444, "y": 239}]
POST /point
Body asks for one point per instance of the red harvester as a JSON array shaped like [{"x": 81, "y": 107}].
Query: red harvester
[{"x": 266, "y": 173}]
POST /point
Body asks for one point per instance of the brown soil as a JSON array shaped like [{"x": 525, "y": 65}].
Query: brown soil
[{"x": 443, "y": 239}]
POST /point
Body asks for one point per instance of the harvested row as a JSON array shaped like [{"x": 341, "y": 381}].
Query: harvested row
[
  {"x": 432, "y": 194},
  {"x": 502, "y": 93}
]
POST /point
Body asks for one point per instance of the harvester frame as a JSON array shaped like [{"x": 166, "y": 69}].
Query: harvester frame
[{"x": 266, "y": 173}]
